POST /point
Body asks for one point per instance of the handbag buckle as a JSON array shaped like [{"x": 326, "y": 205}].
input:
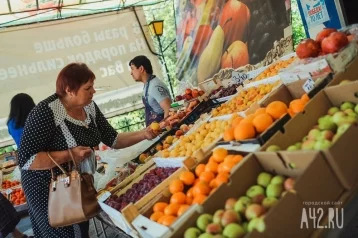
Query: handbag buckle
[
  {"x": 53, "y": 186},
  {"x": 66, "y": 181}
]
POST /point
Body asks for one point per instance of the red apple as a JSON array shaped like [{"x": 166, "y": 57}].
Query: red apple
[
  {"x": 307, "y": 48},
  {"x": 234, "y": 19},
  {"x": 188, "y": 91},
  {"x": 324, "y": 33},
  {"x": 178, "y": 98},
  {"x": 334, "y": 42},
  {"x": 289, "y": 183},
  {"x": 235, "y": 56}
]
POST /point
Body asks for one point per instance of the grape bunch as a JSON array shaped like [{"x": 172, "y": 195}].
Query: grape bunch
[
  {"x": 267, "y": 24},
  {"x": 150, "y": 180},
  {"x": 231, "y": 90}
]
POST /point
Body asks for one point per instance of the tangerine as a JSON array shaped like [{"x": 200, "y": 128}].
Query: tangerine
[
  {"x": 276, "y": 109},
  {"x": 244, "y": 131},
  {"x": 176, "y": 186},
  {"x": 248, "y": 119},
  {"x": 297, "y": 106},
  {"x": 222, "y": 178},
  {"x": 211, "y": 167},
  {"x": 207, "y": 176},
  {"x": 229, "y": 134},
  {"x": 262, "y": 122},
  {"x": 189, "y": 200},
  {"x": 237, "y": 158},
  {"x": 236, "y": 121},
  {"x": 221, "y": 168},
  {"x": 219, "y": 154},
  {"x": 156, "y": 215},
  {"x": 187, "y": 177},
  {"x": 199, "y": 169},
  {"x": 182, "y": 209},
  {"x": 305, "y": 98},
  {"x": 202, "y": 188},
  {"x": 228, "y": 166},
  {"x": 172, "y": 209},
  {"x": 178, "y": 198},
  {"x": 259, "y": 111},
  {"x": 199, "y": 199},
  {"x": 213, "y": 183},
  {"x": 160, "y": 206},
  {"x": 168, "y": 220}
]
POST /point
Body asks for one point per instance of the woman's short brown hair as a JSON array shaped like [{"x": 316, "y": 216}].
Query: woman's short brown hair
[{"x": 73, "y": 76}]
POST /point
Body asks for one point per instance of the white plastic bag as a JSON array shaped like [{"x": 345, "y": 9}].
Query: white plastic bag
[
  {"x": 109, "y": 172},
  {"x": 89, "y": 165}
]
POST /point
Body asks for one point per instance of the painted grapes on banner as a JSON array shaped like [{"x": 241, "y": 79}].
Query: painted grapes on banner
[{"x": 218, "y": 34}]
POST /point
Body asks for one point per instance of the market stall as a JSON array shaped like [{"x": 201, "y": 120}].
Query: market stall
[{"x": 281, "y": 142}]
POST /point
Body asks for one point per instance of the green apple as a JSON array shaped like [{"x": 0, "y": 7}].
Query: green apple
[
  {"x": 206, "y": 235},
  {"x": 356, "y": 108},
  {"x": 269, "y": 202},
  {"x": 254, "y": 211},
  {"x": 203, "y": 221},
  {"x": 230, "y": 216},
  {"x": 326, "y": 135},
  {"x": 298, "y": 145},
  {"x": 346, "y": 120},
  {"x": 326, "y": 123},
  {"x": 274, "y": 190},
  {"x": 313, "y": 134},
  {"x": 308, "y": 145},
  {"x": 333, "y": 110},
  {"x": 337, "y": 116},
  {"x": 273, "y": 148},
  {"x": 347, "y": 105},
  {"x": 233, "y": 231},
  {"x": 252, "y": 225},
  {"x": 242, "y": 204},
  {"x": 322, "y": 145},
  {"x": 293, "y": 148},
  {"x": 260, "y": 225},
  {"x": 264, "y": 179},
  {"x": 218, "y": 215},
  {"x": 213, "y": 229},
  {"x": 192, "y": 232},
  {"x": 278, "y": 179},
  {"x": 255, "y": 190}
]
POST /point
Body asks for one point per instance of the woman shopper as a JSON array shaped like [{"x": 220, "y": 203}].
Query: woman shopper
[
  {"x": 68, "y": 119},
  {"x": 20, "y": 107}
]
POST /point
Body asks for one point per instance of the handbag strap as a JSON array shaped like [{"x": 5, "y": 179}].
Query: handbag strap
[{"x": 59, "y": 166}]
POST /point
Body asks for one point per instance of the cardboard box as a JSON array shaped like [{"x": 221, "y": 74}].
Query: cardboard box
[
  {"x": 281, "y": 221},
  {"x": 341, "y": 154},
  {"x": 349, "y": 73}
]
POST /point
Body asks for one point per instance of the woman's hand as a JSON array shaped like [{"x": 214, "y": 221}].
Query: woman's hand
[
  {"x": 80, "y": 153},
  {"x": 149, "y": 134}
]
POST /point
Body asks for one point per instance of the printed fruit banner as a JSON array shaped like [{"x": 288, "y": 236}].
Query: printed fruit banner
[{"x": 216, "y": 35}]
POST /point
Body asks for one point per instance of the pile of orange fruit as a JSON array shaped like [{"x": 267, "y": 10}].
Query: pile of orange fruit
[
  {"x": 244, "y": 99},
  {"x": 273, "y": 69},
  {"x": 259, "y": 121},
  {"x": 9, "y": 184},
  {"x": 195, "y": 187},
  {"x": 18, "y": 197}
]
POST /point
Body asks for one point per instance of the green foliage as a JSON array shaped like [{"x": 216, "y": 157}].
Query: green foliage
[
  {"x": 132, "y": 121},
  {"x": 165, "y": 11},
  {"x": 297, "y": 25}
]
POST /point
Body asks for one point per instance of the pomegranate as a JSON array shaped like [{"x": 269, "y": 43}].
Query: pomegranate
[
  {"x": 334, "y": 42},
  {"x": 324, "y": 33},
  {"x": 307, "y": 48}
]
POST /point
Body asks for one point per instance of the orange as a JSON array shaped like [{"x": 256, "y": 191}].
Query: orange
[
  {"x": 248, "y": 118},
  {"x": 222, "y": 178},
  {"x": 244, "y": 131},
  {"x": 260, "y": 111},
  {"x": 236, "y": 121},
  {"x": 160, "y": 220},
  {"x": 229, "y": 134},
  {"x": 199, "y": 169},
  {"x": 276, "y": 109},
  {"x": 189, "y": 200},
  {"x": 290, "y": 112},
  {"x": 212, "y": 167},
  {"x": 160, "y": 206},
  {"x": 182, "y": 209},
  {"x": 229, "y": 158},
  {"x": 187, "y": 177},
  {"x": 189, "y": 193},
  {"x": 228, "y": 166},
  {"x": 237, "y": 158},
  {"x": 262, "y": 122},
  {"x": 176, "y": 186},
  {"x": 219, "y": 154},
  {"x": 213, "y": 183},
  {"x": 202, "y": 188},
  {"x": 211, "y": 159},
  {"x": 305, "y": 98},
  {"x": 168, "y": 220},
  {"x": 156, "y": 215},
  {"x": 297, "y": 106},
  {"x": 199, "y": 199},
  {"x": 207, "y": 176},
  {"x": 178, "y": 198},
  {"x": 221, "y": 168},
  {"x": 196, "y": 181},
  {"x": 172, "y": 209}
]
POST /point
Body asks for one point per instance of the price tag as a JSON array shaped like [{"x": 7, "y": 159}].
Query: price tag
[
  {"x": 238, "y": 77},
  {"x": 308, "y": 85},
  {"x": 104, "y": 196},
  {"x": 8, "y": 191}
]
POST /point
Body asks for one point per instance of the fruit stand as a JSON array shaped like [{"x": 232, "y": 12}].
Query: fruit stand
[{"x": 281, "y": 141}]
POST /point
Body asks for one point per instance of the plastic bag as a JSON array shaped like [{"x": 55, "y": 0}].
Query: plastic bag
[
  {"x": 89, "y": 165},
  {"x": 17, "y": 174},
  {"x": 109, "y": 172}
]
